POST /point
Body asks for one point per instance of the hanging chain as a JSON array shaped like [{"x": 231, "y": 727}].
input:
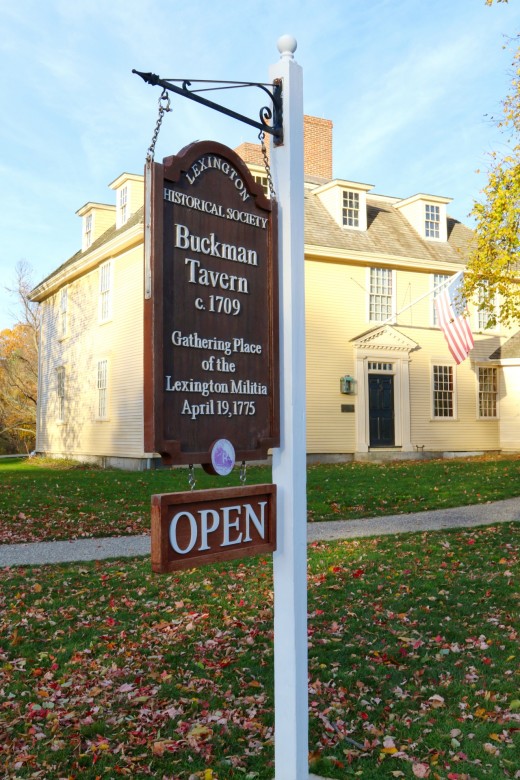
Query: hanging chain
[
  {"x": 164, "y": 108},
  {"x": 261, "y": 137},
  {"x": 191, "y": 477},
  {"x": 243, "y": 473}
]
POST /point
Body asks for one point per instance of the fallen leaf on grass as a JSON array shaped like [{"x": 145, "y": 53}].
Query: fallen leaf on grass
[
  {"x": 200, "y": 732},
  {"x": 159, "y": 747},
  {"x": 389, "y": 747}
]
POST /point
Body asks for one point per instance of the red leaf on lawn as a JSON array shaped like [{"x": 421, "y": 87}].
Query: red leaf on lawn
[{"x": 421, "y": 770}]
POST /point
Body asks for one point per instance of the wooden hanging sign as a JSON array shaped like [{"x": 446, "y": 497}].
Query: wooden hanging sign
[
  {"x": 206, "y": 526},
  {"x": 211, "y": 315}
]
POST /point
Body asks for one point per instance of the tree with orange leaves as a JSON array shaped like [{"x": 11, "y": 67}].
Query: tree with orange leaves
[{"x": 19, "y": 371}]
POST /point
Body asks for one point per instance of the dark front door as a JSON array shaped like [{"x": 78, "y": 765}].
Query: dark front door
[{"x": 381, "y": 410}]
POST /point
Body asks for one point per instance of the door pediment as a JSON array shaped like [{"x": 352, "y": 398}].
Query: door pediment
[{"x": 385, "y": 338}]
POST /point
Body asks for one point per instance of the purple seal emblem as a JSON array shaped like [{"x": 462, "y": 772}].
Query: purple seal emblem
[{"x": 223, "y": 457}]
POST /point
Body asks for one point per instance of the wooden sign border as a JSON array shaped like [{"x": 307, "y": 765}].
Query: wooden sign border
[
  {"x": 164, "y": 558},
  {"x": 171, "y": 450}
]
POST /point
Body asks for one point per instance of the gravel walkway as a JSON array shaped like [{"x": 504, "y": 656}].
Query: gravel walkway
[{"x": 37, "y": 553}]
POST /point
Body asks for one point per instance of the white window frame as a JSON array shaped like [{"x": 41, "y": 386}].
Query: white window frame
[
  {"x": 350, "y": 208},
  {"x": 437, "y": 279},
  {"x": 453, "y": 391},
  {"x": 105, "y": 276},
  {"x": 486, "y": 395},
  {"x": 123, "y": 205},
  {"x": 373, "y": 295},
  {"x": 482, "y": 320},
  {"x": 432, "y": 220},
  {"x": 102, "y": 386},
  {"x": 381, "y": 367},
  {"x": 482, "y": 317},
  {"x": 60, "y": 393},
  {"x": 89, "y": 226},
  {"x": 263, "y": 181},
  {"x": 63, "y": 314}
]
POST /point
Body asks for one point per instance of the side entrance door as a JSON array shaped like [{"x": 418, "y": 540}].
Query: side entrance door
[{"x": 381, "y": 410}]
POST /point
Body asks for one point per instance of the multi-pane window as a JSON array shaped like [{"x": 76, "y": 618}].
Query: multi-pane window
[
  {"x": 443, "y": 391},
  {"x": 483, "y": 319},
  {"x": 380, "y": 297},
  {"x": 440, "y": 281},
  {"x": 60, "y": 392},
  {"x": 350, "y": 208},
  {"x": 102, "y": 389},
  {"x": 123, "y": 205},
  {"x": 432, "y": 221},
  {"x": 105, "y": 291},
  {"x": 64, "y": 303},
  {"x": 487, "y": 391},
  {"x": 261, "y": 179},
  {"x": 377, "y": 366},
  {"x": 483, "y": 315},
  {"x": 88, "y": 230}
]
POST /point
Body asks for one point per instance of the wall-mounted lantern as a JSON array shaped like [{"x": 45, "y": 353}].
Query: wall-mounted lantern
[{"x": 347, "y": 385}]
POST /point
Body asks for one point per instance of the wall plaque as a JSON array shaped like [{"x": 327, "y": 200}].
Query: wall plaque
[
  {"x": 211, "y": 321},
  {"x": 204, "y": 526}
]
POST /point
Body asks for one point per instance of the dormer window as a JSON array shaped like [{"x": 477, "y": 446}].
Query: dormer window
[
  {"x": 432, "y": 221},
  {"x": 427, "y": 215},
  {"x": 96, "y": 218},
  {"x": 346, "y": 202},
  {"x": 122, "y": 206},
  {"x": 88, "y": 230},
  {"x": 261, "y": 179},
  {"x": 350, "y": 208},
  {"x": 129, "y": 189}
]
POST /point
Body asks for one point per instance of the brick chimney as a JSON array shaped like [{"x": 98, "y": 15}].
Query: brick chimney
[
  {"x": 317, "y": 148},
  {"x": 251, "y": 153}
]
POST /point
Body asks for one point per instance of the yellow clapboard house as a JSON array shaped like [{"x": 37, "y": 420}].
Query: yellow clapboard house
[{"x": 381, "y": 382}]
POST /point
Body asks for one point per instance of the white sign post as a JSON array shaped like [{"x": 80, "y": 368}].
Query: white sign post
[{"x": 289, "y": 460}]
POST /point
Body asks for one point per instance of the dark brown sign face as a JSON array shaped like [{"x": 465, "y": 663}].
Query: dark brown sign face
[
  {"x": 204, "y": 526},
  {"x": 211, "y": 324}
]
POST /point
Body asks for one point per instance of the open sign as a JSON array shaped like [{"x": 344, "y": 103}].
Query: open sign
[{"x": 204, "y": 526}]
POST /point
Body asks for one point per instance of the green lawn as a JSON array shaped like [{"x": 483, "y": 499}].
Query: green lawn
[
  {"x": 108, "y": 671},
  {"x": 42, "y": 501}
]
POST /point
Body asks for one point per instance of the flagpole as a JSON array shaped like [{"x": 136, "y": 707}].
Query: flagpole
[{"x": 421, "y": 297}]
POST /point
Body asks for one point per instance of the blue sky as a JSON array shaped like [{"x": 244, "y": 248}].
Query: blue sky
[{"x": 409, "y": 85}]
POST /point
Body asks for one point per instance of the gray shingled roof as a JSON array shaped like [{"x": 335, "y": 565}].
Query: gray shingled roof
[
  {"x": 107, "y": 236},
  {"x": 388, "y": 233},
  {"x": 510, "y": 349}
]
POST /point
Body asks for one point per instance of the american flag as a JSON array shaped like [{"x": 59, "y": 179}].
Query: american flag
[{"x": 452, "y": 315}]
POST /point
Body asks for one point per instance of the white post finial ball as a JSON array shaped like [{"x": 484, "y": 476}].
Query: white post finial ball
[{"x": 287, "y": 46}]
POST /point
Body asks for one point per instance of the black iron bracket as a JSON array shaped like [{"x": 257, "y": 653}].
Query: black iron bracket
[{"x": 271, "y": 120}]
